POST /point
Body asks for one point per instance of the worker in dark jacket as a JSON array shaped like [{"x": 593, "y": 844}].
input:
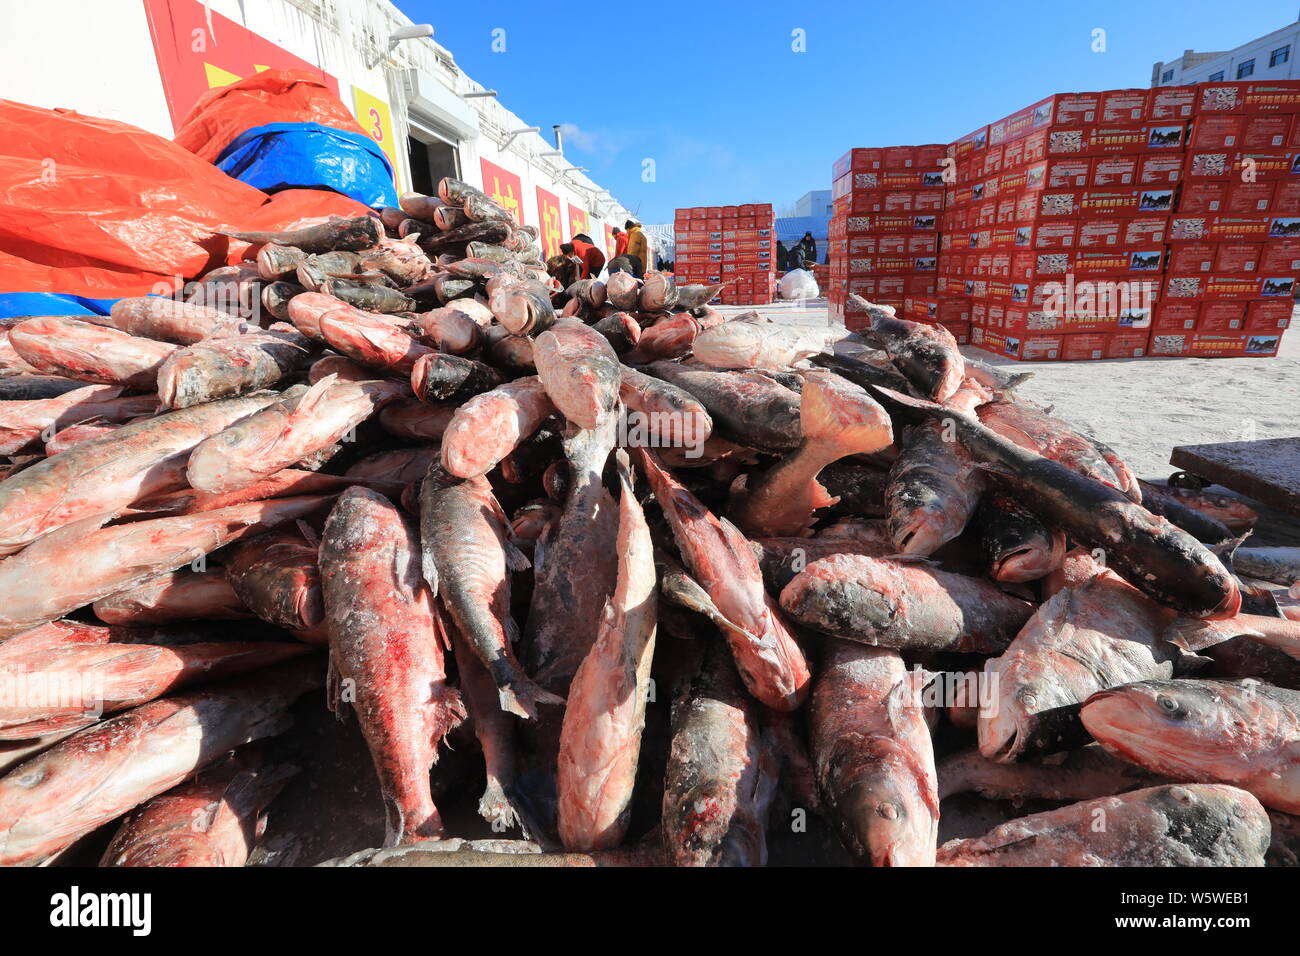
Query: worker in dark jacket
[
  {"x": 566, "y": 267},
  {"x": 809, "y": 246},
  {"x": 593, "y": 260}
]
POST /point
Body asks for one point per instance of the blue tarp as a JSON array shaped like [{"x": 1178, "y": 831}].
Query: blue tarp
[
  {"x": 49, "y": 303},
  {"x": 311, "y": 156}
]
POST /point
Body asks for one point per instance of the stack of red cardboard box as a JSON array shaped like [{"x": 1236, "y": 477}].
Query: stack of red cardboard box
[
  {"x": 1234, "y": 239},
  {"x": 735, "y": 245},
  {"x": 1056, "y": 223},
  {"x": 884, "y": 229}
]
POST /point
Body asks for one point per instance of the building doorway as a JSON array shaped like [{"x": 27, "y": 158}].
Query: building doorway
[{"x": 432, "y": 156}]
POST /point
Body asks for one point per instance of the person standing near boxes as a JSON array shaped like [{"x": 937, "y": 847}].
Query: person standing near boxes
[{"x": 638, "y": 249}]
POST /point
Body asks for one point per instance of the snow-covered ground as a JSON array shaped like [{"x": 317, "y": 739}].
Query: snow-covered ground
[{"x": 1144, "y": 407}]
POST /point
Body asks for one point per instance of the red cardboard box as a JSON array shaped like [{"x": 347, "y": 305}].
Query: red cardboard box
[
  {"x": 1286, "y": 198},
  {"x": 1115, "y": 171},
  {"x": 1033, "y": 348},
  {"x": 1173, "y": 314},
  {"x": 1062, "y": 234},
  {"x": 1211, "y": 131},
  {"x": 1183, "y": 228},
  {"x": 1126, "y": 344},
  {"x": 1244, "y": 199},
  {"x": 1280, "y": 257},
  {"x": 1209, "y": 164},
  {"x": 1159, "y": 169},
  {"x": 1221, "y": 317},
  {"x": 1239, "y": 257},
  {"x": 1266, "y": 131},
  {"x": 1192, "y": 257},
  {"x": 1203, "y": 197},
  {"x": 1124, "y": 106},
  {"x": 1084, "y": 347},
  {"x": 1171, "y": 102}
]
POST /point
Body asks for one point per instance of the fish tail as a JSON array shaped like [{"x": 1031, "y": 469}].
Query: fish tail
[
  {"x": 405, "y": 825},
  {"x": 521, "y": 695}
]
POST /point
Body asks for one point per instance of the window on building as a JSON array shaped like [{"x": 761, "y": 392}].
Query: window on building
[
  {"x": 1166, "y": 76},
  {"x": 1280, "y": 55},
  {"x": 1216, "y": 77},
  {"x": 1245, "y": 68}
]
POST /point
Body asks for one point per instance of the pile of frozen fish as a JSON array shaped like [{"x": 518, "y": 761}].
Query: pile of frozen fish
[{"x": 388, "y": 457}]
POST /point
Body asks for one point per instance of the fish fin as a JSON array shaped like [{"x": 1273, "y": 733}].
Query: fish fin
[
  {"x": 448, "y": 713},
  {"x": 521, "y": 697},
  {"x": 516, "y": 560},
  {"x": 821, "y": 498},
  {"x": 306, "y": 407},
  {"x": 308, "y": 533},
  {"x": 511, "y": 629},
  {"x": 911, "y": 559},
  {"x": 429, "y": 569},
  {"x": 1193, "y": 634},
  {"x": 334, "y": 688}
]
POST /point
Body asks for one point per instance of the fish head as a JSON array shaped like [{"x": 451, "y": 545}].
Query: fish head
[
  {"x": 1174, "y": 726},
  {"x": 1219, "y": 824},
  {"x": 1030, "y": 559},
  {"x": 923, "y": 529},
  {"x": 1024, "y": 709},
  {"x": 882, "y": 805}
]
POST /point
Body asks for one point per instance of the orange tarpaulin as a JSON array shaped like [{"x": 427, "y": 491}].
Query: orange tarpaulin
[
  {"x": 272, "y": 96},
  {"x": 98, "y": 208}
]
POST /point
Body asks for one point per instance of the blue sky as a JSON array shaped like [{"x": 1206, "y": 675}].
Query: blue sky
[{"x": 714, "y": 93}]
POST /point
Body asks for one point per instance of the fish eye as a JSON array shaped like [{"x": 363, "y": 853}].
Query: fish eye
[
  {"x": 887, "y": 809},
  {"x": 1028, "y": 698},
  {"x": 1167, "y": 704}
]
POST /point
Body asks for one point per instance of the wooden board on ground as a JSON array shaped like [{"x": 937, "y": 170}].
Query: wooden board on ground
[{"x": 1267, "y": 470}]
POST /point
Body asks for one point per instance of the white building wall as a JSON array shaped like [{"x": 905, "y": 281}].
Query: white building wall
[
  {"x": 1200, "y": 70},
  {"x": 93, "y": 56},
  {"x": 97, "y": 57}
]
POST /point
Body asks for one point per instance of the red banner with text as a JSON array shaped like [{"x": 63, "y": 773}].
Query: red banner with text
[
  {"x": 548, "y": 214},
  {"x": 199, "y": 50},
  {"x": 505, "y": 187},
  {"x": 577, "y": 221}
]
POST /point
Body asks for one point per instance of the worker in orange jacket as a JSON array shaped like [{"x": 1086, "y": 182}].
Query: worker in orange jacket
[{"x": 620, "y": 242}]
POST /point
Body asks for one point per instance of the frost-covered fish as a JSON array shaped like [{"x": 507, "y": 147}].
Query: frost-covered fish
[
  {"x": 1243, "y": 733},
  {"x": 385, "y": 643},
  {"x": 1172, "y": 825},
  {"x": 873, "y": 757},
  {"x": 62, "y": 345},
  {"x": 600, "y": 742},
  {"x": 212, "y": 820},
  {"x": 934, "y": 487},
  {"x": 97, "y": 774},
  {"x": 1083, "y": 639},
  {"x": 903, "y": 604}
]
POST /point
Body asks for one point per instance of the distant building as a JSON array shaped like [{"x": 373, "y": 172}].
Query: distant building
[
  {"x": 1271, "y": 57},
  {"x": 815, "y": 203}
]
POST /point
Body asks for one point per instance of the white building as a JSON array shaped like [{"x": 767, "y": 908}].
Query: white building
[
  {"x": 1271, "y": 57},
  {"x": 145, "y": 62},
  {"x": 814, "y": 203}
]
